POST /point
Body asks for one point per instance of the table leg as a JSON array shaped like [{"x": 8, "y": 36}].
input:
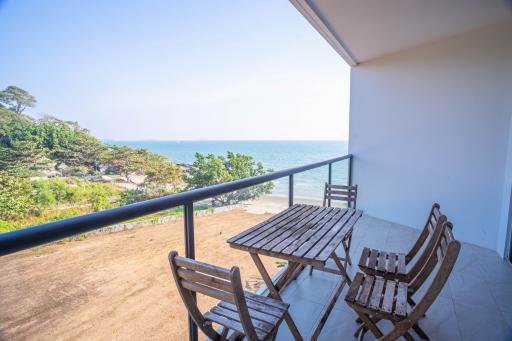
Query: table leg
[
  {"x": 332, "y": 299},
  {"x": 341, "y": 267},
  {"x": 327, "y": 310},
  {"x": 274, "y": 293},
  {"x": 288, "y": 275}
]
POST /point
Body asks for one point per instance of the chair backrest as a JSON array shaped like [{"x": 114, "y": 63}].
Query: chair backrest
[
  {"x": 192, "y": 276},
  {"x": 444, "y": 255},
  {"x": 430, "y": 245},
  {"x": 426, "y": 232},
  {"x": 341, "y": 193}
]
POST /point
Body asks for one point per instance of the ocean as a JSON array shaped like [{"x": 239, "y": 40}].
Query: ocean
[{"x": 276, "y": 155}]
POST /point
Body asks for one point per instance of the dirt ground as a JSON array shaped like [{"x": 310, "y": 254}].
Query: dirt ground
[{"x": 114, "y": 286}]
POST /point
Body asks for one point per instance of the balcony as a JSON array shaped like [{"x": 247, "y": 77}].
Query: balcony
[{"x": 474, "y": 305}]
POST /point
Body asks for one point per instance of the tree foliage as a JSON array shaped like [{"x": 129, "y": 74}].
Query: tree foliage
[
  {"x": 212, "y": 169},
  {"x": 40, "y": 149},
  {"x": 71, "y": 191},
  {"x": 15, "y": 197},
  {"x": 20, "y": 147},
  {"x": 28, "y": 146},
  {"x": 17, "y": 99},
  {"x": 160, "y": 174},
  {"x": 125, "y": 160}
]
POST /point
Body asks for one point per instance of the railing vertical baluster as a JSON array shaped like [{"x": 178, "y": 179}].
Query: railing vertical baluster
[
  {"x": 350, "y": 176},
  {"x": 290, "y": 190},
  {"x": 329, "y": 180},
  {"x": 188, "y": 211},
  {"x": 350, "y": 170}
]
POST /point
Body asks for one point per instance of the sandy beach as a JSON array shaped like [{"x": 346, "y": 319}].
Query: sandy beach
[{"x": 275, "y": 204}]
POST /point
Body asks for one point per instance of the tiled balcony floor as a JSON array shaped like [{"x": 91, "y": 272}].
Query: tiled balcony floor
[{"x": 476, "y": 304}]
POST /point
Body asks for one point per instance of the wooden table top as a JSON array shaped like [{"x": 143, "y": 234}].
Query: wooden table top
[{"x": 302, "y": 233}]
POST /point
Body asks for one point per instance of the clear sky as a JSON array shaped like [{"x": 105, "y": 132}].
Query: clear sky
[{"x": 176, "y": 70}]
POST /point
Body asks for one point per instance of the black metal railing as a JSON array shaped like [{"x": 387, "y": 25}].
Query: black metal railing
[{"x": 37, "y": 235}]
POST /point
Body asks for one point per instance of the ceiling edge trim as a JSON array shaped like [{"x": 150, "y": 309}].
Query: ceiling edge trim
[{"x": 318, "y": 23}]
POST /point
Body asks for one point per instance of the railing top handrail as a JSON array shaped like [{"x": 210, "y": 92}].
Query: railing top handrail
[{"x": 41, "y": 234}]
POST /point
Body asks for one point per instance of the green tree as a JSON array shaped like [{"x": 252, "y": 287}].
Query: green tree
[
  {"x": 20, "y": 145},
  {"x": 211, "y": 169},
  {"x": 68, "y": 143},
  {"x": 162, "y": 176},
  {"x": 17, "y": 99},
  {"x": 15, "y": 197},
  {"x": 125, "y": 160},
  {"x": 84, "y": 151}
]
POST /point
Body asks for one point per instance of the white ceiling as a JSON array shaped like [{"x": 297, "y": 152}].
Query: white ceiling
[{"x": 367, "y": 29}]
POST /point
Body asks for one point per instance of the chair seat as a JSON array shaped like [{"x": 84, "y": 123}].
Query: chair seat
[
  {"x": 385, "y": 264},
  {"x": 378, "y": 296},
  {"x": 266, "y": 314}
]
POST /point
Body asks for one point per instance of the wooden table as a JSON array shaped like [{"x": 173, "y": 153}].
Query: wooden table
[{"x": 302, "y": 235}]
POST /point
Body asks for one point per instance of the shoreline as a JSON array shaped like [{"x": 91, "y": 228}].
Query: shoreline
[{"x": 275, "y": 204}]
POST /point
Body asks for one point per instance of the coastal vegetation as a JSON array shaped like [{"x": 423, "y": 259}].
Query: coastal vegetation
[
  {"x": 52, "y": 169},
  {"x": 211, "y": 169}
]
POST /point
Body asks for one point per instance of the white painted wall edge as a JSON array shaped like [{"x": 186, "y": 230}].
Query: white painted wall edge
[{"x": 319, "y": 24}]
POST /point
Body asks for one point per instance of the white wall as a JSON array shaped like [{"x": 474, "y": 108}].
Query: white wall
[
  {"x": 506, "y": 208},
  {"x": 432, "y": 124}
]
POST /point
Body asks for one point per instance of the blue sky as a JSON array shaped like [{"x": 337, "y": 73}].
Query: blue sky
[{"x": 176, "y": 70}]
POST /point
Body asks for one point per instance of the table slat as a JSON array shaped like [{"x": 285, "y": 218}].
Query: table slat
[
  {"x": 302, "y": 233},
  {"x": 281, "y": 229}
]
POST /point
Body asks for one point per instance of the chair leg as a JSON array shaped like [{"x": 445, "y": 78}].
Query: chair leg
[
  {"x": 360, "y": 329},
  {"x": 421, "y": 333},
  {"x": 408, "y": 337},
  {"x": 367, "y": 321},
  {"x": 224, "y": 334},
  {"x": 412, "y": 303},
  {"x": 271, "y": 336},
  {"x": 397, "y": 333},
  {"x": 360, "y": 332},
  {"x": 238, "y": 336}
]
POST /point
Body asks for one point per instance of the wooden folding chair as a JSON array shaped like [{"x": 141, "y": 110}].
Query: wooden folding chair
[
  {"x": 376, "y": 298},
  {"x": 344, "y": 193},
  {"x": 395, "y": 265},
  {"x": 341, "y": 193},
  {"x": 253, "y": 316}
]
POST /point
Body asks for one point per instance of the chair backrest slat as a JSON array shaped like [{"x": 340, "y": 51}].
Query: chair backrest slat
[
  {"x": 340, "y": 193},
  {"x": 208, "y": 291},
  {"x": 202, "y": 267},
  {"x": 211, "y": 281},
  {"x": 335, "y": 197}
]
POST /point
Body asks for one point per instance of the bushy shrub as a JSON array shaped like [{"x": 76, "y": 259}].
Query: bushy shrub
[
  {"x": 99, "y": 196},
  {"x": 15, "y": 197},
  {"x": 5, "y": 226},
  {"x": 131, "y": 196}
]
